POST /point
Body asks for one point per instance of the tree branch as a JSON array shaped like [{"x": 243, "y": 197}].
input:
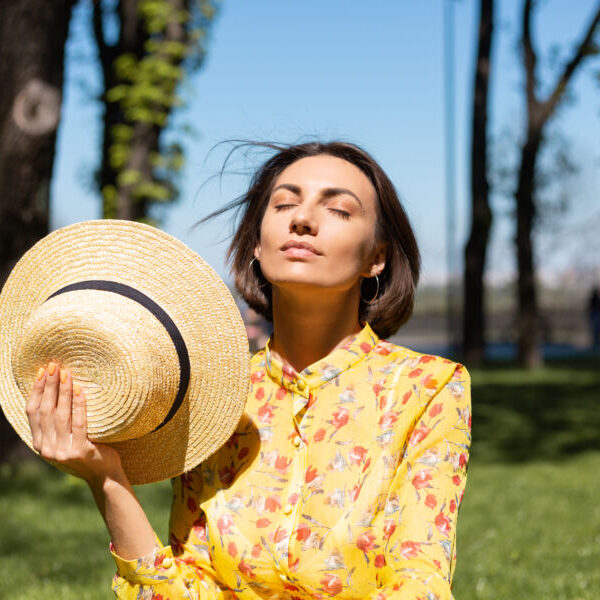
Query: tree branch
[
  {"x": 570, "y": 68},
  {"x": 105, "y": 52},
  {"x": 529, "y": 59}
]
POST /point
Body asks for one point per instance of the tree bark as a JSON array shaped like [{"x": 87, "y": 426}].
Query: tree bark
[
  {"x": 33, "y": 34},
  {"x": 538, "y": 114},
  {"x": 481, "y": 215}
]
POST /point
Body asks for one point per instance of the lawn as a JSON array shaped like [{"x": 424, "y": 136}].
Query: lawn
[{"x": 529, "y": 524}]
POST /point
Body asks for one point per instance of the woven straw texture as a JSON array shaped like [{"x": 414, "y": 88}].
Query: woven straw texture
[{"x": 118, "y": 351}]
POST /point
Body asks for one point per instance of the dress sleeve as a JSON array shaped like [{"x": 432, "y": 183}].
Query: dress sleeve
[
  {"x": 425, "y": 495},
  {"x": 162, "y": 575},
  {"x": 179, "y": 570}
]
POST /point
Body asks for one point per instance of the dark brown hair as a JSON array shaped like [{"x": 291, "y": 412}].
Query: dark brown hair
[{"x": 397, "y": 282}]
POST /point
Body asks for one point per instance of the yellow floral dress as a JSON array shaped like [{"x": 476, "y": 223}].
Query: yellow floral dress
[{"x": 343, "y": 480}]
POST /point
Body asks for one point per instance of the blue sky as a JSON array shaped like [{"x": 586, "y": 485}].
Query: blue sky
[{"x": 370, "y": 73}]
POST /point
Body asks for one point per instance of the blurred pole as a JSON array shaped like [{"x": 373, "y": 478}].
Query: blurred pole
[{"x": 452, "y": 314}]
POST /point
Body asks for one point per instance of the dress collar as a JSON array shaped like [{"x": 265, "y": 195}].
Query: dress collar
[{"x": 323, "y": 370}]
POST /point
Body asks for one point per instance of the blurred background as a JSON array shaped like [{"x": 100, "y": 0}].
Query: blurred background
[{"x": 486, "y": 116}]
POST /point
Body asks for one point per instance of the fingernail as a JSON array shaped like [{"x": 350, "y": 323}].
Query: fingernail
[
  {"x": 63, "y": 376},
  {"x": 40, "y": 373},
  {"x": 76, "y": 389},
  {"x": 51, "y": 368}
]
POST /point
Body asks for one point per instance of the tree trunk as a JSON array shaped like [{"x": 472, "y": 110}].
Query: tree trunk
[
  {"x": 481, "y": 215},
  {"x": 32, "y": 44},
  {"x": 529, "y": 338}
]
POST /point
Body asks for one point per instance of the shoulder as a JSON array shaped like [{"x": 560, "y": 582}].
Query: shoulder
[{"x": 429, "y": 373}]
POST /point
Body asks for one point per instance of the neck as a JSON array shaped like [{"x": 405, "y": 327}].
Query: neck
[{"x": 321, "y": 323}]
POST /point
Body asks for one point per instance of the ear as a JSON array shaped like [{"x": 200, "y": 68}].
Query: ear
[
  {"x": 257, "y": 252},
  {"x": 377, "y": 262}
]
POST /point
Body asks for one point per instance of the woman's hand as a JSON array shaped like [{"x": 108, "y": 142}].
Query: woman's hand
[{"x": 57, "y": 417}]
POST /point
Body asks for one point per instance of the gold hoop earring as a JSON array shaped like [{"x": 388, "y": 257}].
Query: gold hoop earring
[{"x": 374, "y": 298}]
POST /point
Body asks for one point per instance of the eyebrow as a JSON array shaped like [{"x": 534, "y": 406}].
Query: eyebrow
[{"x": 327, "y": 192}]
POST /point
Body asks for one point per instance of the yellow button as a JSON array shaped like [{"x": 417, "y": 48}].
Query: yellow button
[
  {"x": 287, "y": 509},
  {"x": 167, "y": 562},
  {"x": 297, "y": 440},
  {"x": 301, "y": 384}
]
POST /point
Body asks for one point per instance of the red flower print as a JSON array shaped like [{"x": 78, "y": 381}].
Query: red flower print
[
  {"x": 365, "y": 541},
  {"x": 293, "y": 565},
  {"x": 232, "y": 441},
  {"x": 435, "y": 410},
  {"x": 418, "y": 435},
  {"x": 353, "y": 493},
  {"x": 226, "y": 475},
  {"x": 426, "y": 358},
  {"x": 388, "y": 528},
  {"x": 272, "y": 503},
  {"x": 410, "y": 549},
  {"x": 243, "y": 452},
  {"x": 332, "y": 584},
  {"x": 311, "y": 473},
  {"x": 357, "y": 455},
  {"x": 302, "y": 532},
  {"x": 280, "y": 393},
  {"x": 415, "y": 372},
  {"x": 442, "y": 522},
  {"x": 462, "y": 460},
  {"x": 156, "y": 597},
  {"x": 264, "y": 522},
  {"x": 288, "y": 372},
  {"x": 257, "y": 376},
  {"x": 429, "y": 382},
  {"x": 246, "y": 569},
  {"x": 312, "y": 400},
  {"x": 256, "y": 549},
  {"x": 293, "y": 498},
  {"x": 388, "y": 419},
  {"x": 319, "y": 435},
  {"x": 367, "y": 464},
  {"x": 381, "y": 350},
  {"x": 225, "y": 523},
  {"x": 365, "y": 347},
  {"x": 282, "y": 463},
  {"x": 265, "y": 413},
  {"x": 421, "y": 480},
  {"x": 280, "y": 534},
  {"x": 437, "y": 563},
  {"x": 456, "y": 480},
  {"x": 260, "y": 393},
  {"x": 232, "y": 549},
  {"x": 340, "y": 417},
  {"x": 430, "y": 501},
  {"x": 452, "y": 505},
  {"x": 158, "y": 560},
  {"x": 379, "y": 561},
  {"x": 377, "y": 387},
  {"x": 382, "y": 402},
  {"x": 191, "y": 504},
  {"x": 406, "y": 397},
  {"x": 199, "y": 527}
]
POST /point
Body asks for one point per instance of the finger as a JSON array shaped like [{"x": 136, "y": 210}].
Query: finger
[
  {"x": 48, "y": 409},
  {"x": 79, "y": 418},
  {"x": 63, "y": 409},
  {"x": 32, "y": 408}
]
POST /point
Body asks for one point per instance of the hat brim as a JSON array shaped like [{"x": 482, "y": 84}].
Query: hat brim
[{"x": 186, "y": 287}]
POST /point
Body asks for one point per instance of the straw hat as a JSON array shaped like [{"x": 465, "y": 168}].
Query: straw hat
[{"x": 147, "y": 329}]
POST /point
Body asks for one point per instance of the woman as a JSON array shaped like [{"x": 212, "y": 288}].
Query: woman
[{"x": 345, "y": 475}]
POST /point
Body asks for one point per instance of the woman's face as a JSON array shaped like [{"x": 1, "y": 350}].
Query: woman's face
[{"x": 318, "y": 229}]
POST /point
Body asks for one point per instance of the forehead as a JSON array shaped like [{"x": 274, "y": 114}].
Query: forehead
[{"x": 322, "y": 171}]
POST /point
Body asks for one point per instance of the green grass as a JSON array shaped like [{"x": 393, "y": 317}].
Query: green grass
[{"x": 529, "y": 524}]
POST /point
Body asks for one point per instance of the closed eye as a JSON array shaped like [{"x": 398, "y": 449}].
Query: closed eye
[
  {"x": 283, "y": 206},
  {"x": 341, "y": 213}
]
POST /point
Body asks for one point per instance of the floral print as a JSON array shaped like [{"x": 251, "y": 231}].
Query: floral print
[{"x": 342, "y": 481}]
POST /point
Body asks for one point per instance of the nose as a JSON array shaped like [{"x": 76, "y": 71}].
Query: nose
[{"x": 303, "y": 221}]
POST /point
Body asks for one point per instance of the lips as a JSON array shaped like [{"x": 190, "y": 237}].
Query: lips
[{"x": 301, "y": 246}]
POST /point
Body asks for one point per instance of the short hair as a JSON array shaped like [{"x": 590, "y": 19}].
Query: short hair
[{"x": 399, "y": 278}]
